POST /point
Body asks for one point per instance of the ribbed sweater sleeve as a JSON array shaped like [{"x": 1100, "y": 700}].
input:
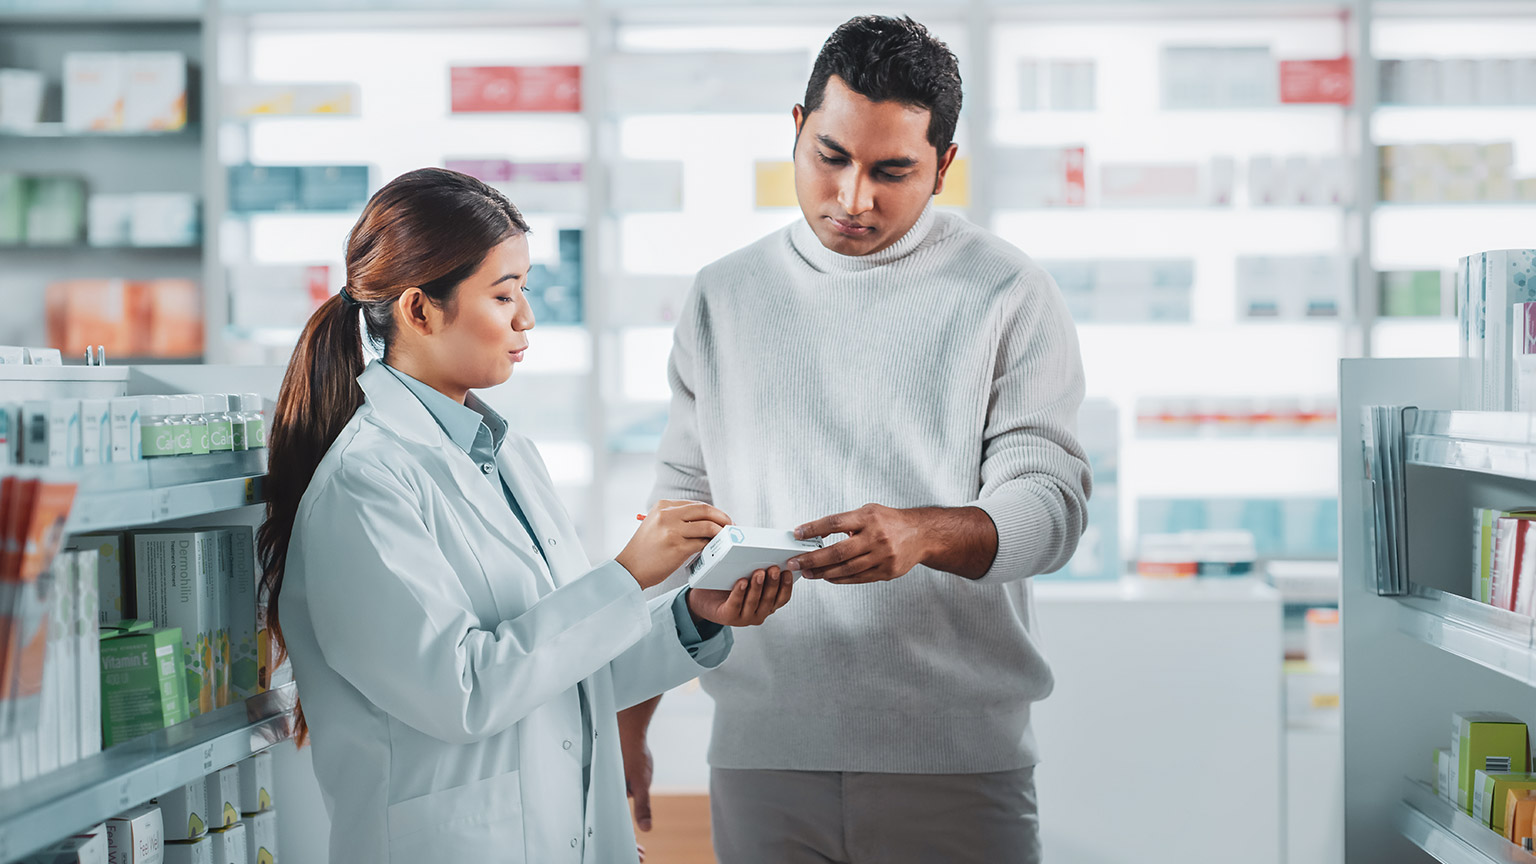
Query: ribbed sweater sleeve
[
  {"x": 680, "y": 473},
  {"x": 1034, "y": 473}
]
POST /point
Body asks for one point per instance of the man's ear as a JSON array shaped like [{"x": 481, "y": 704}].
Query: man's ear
[
  {"x": 799, "y": 114},
  {"x": 944, "y": 163}
]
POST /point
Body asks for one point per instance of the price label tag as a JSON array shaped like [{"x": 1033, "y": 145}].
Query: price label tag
[
  {"x": 124, "y": 795},
  {"x": 250, "y": 490},
  {"x": 162, "y": 504},
  {"x": 208, "y": 758}
]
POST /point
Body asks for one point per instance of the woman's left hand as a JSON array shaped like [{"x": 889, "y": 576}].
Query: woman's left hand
[{"x": 748, "y": 603}]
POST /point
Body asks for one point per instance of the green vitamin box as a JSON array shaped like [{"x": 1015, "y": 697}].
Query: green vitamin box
[
  {"x": 143, "y": 688},
  {"x": 1490, "y": 742}
]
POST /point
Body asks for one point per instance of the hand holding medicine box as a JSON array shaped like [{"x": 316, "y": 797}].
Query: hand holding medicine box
[
  {"x": 736, "y": 552},
  {"x": 1485, "y": 741}
]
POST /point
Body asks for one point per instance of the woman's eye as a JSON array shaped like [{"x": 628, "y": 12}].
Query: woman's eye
[{"x": 504, "y": 299}]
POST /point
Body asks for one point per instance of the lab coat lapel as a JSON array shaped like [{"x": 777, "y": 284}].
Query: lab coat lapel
[{"x": 398, "y": 408}]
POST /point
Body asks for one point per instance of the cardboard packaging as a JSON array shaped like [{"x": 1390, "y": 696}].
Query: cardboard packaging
[
  {"x": 179, "y": 583},
  {"x": 165, "y": 219},
  {"x": 52, "y": 433},
  {"x": 184, "y": 810},
  {"x": 479, "y": 89},
  {"x": 333, "y": 187},
  {"x": 261, "y": 838},
  {"x": 1523, "y": 390},
  {"x": 95, "y": 431},
  {"x": 1490, "y": 794},
  {"x": 1490, "y": 742},
  {"x": 256, "y": 784},
  {"x": 56, "y": 211},
  {"x": 277, "y": 295},
  {"x": 114, "y": 596},
  {"x": 1443, "y": 774},
  {"x": 136, "y": 837},
  {"x": 85, "y": 849},
  {"x": 87, "y": 652},
  {"x": 196, "y": 852},
  {"x": 223, "y": 791},
  {"x": 127, "y": 437},
  {"x": 259, "y": 188},
  {"x": 93, "y": 91},
  {"x": 109, "y": 220},
  {"x": 21, "y": 99},
  {"x": 154, "y": 91},
  {"x": 229, "y": 845},
  {"x": 1519, "y": 815},
  {"x": 143, "y": 687},
  {"x": 737, "y": 551},
  {"x": 57, "y": 731},
  {"x": 238, "y": 550}
]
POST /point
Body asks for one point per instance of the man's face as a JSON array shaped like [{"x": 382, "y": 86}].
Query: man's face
[{"x": 864, "y": 170}]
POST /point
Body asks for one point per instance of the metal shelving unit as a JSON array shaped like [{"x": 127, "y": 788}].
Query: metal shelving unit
[
  {"x": 91, "y": 791},
  {"x": 1449, "y": 835}
]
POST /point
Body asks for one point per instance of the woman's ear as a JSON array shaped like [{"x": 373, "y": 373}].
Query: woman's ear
[{"x": 417, "y": 313}]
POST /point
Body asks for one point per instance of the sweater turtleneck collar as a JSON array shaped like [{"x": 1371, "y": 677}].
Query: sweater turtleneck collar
[{"x": 820, "y": 257}]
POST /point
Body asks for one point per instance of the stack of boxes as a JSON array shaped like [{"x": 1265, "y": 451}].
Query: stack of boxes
[
  {"x": 1487, "y": 773},
  {"x": 1455, "y": 173}
]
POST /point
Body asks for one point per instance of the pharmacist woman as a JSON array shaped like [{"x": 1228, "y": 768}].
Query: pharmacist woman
[{"x": 459, "y": 660}]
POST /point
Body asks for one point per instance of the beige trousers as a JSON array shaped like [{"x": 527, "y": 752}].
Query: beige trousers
[{"x": 829, "y": 817}]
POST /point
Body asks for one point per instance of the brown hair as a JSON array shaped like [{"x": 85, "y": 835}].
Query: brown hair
[{"x": 430, "y": 228}]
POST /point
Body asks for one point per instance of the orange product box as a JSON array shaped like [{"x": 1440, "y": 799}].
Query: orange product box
[{"x": 1519, "y": 815}]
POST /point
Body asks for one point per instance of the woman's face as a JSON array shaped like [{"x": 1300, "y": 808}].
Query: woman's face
[{"x": 486, "y": 331}]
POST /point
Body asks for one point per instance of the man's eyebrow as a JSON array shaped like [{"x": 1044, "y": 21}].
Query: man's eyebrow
[{"x": 898, "y": 162}]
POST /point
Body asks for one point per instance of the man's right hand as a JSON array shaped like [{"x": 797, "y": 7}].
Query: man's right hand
[{"x": 633, "y": 726}]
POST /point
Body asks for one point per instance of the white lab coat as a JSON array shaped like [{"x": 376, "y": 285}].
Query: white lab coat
[{"x": 437, "y": 657}]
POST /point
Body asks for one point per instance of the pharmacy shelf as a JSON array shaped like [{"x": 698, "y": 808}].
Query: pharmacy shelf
[
  {"x": 1449, "y": 835},
  {"x": 87, "y": 248},
  {"x": 1501, "y": 443},
  {"x": 103, "y": 17},
  {"x": 89, "y": 792},
  {"x": 63, "y": 373},
  {"x": 1486, "y": 635},
  {"x": 115, "y": 497},
  {"x": 55, "y": 131}
]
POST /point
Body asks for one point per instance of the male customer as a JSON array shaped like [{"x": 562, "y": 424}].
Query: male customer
[{"x": 879, "y": 351}]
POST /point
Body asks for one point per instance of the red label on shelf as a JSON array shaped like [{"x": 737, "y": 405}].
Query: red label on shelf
[
  {"x": 1325, "y": 82},
  {"x": 478, "y": 89},
  {"x": 319, "y": 278}
]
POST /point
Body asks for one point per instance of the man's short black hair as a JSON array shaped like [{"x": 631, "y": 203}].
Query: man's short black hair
[{"x": 888, "y": 59}]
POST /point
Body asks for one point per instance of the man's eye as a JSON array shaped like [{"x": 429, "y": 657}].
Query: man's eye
[
  {"x": 830, "y": 160},
  {"x": 886, "y": 175}
]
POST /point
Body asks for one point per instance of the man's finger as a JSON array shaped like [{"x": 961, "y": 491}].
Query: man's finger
[
  {"x": 701, "y": 530},
  {"x": 755, "y": 592},
  {"x": 836, "y": 523},
  {"x": 737, "y": 602},
  {"x": 771, "y": 587},
  {"x": 851, "y": 567},
  {"x": 874, "y": 574},
  {"x": 837, "y": 553},
  {"x": 642, "y": 796},
  {"x": 785, "y": 589}
]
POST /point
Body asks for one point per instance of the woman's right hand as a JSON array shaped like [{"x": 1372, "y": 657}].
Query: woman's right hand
[{"x": 672, "y": 532}]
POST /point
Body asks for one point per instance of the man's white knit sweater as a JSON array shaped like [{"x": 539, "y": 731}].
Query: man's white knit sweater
[{"x": 941, "y": 371}]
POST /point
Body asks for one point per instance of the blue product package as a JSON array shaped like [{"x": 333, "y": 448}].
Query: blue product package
[
  {"x": 263, "y": 188},
  {"x": 333, "y": 187}
]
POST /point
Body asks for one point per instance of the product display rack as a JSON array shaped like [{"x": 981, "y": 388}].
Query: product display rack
[
  {"x": 1418, "y": 650},
  {"x": 89, "y": 792},
  {"x": 126, "y": 496}
]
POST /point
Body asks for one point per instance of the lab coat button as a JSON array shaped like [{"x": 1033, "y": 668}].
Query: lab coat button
[
  {"x": 589, "y": 832},
  {"x": 553, "y": 541},
  {"x": 573, "y": 842},
  {"x": 566, "y": 745},
  {"x": 488, "y": 467}
]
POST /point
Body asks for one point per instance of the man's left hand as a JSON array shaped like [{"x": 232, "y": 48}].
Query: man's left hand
[{"x": 883, "y": 543}]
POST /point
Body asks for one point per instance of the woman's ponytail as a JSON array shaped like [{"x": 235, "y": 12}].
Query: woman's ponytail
[{"x": 429, "y": 229}]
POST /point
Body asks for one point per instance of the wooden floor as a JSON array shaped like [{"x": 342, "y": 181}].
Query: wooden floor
[{"x": 679, "y": 832}]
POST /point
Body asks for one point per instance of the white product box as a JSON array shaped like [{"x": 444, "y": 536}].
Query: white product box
[
  {"x": 87, "y": 652},
  {"x": 10, "y": 433},
  {"x": 1029, "y": 85},
  {"x": 1073, "y": 85},
  {"x": 1497, "y": 280},
  {"x": 256, "y": 784},
  {"x": 21, "y": 99},
  {"x": 93, "y": 91},
  {"x": 280, "y": 295},
  {"x": 1335, "y": 181},
  {"x": 109, "y": 220},
  {"x": 136, "y": 837},
  {"x": 238, "y": 549},
  {"x": 328, "y": 98},
  {"x": 257, "y": 100},
  {"x": 111, "y": 574},
  {"x": 1266, "y": 182},
  {"x": 197, "y": 852},
  {"x": 95, "y": 431},
  {"x": 229, "y": 845},
  {"x": 646, "y": 187},
  {"x": 1525, "y": 81},
  {"x": 1149, "y": 185},
  {"x": 13, "y": 355},
  {"x": 127, "y": 437},
  {"x": 154, "y": 91},
  {"x": 223, "y": 806},
  {"x": 184, "y": 810},
  {"x": 176, "y": 576},
  {"x": 51, "y": 705},
  {"x": 83, "y": 849},
  {"x": 1495, "y": 81},
  {"x": 706, "y": 82},
  {"x": 52, "y": 430},
  {"x": 1458, "y": 81},
  {"x": 261, "y": 838},
  {"x": 1030, "y": 177},
  {"x": 737, "y": 551},
  {"x": 61, "y": 668},
  {"x": 1220, "y": 181},
  {"x": 164, "y": 219},
  {"x": 1423, "y": 79},
  {"x": 44, "y": 357}
]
